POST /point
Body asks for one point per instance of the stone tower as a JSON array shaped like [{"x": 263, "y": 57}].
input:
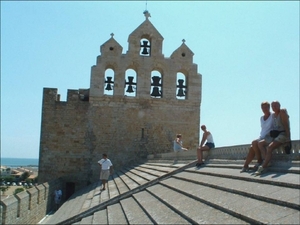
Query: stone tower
[{"x": 135, "y": 110}]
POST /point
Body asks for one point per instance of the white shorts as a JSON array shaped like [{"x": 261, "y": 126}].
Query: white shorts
[{"x": 104, "y": 174}]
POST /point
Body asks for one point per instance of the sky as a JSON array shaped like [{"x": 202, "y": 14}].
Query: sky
[{"x": 247, "y": 53}]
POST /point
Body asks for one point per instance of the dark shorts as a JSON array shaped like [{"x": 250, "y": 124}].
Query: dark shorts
[{"x": 210, "y": 145}]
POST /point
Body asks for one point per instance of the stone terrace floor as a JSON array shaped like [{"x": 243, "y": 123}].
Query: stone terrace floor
[{"x": 160, "y": 192}]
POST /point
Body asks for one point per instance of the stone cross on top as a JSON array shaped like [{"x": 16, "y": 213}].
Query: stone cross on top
[{"x": 147, "y": 14}]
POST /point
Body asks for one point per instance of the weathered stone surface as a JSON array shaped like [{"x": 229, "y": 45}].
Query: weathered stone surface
[
  {"x": 134, "y": 213},
  {"x": 75, "y": 132}
]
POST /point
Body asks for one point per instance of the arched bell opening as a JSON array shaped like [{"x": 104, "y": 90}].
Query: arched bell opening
[
  {"x": 130, "y": 85},
  {"x": 181, "y": 87},
  {"x": 156, "y": 84},
  {"x": 109, "y": 76},
  {"x": 145, "y": 47}
]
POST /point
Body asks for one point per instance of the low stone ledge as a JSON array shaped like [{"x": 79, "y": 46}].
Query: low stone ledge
[{"x": 238, "y": 152}]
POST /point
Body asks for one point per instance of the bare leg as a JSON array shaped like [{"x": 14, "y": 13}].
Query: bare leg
[
  {"x": 200, "y": 158},
  {"x": 262, "y": 147},
  {"x": 103, "y": 184},
  {"x": 250, "y": 157},
  {"x": 270, "y": 148},
  {"x": 198, "y": 155},
  {"x": 257, "y": 151}
]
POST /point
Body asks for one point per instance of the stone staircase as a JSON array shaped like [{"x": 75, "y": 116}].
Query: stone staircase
[{"x": 160, "y": 192}]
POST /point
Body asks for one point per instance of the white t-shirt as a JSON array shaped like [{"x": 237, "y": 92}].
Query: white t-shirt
[
  {"x": 266, "y": 126},
  {"x": 105, "y": 163}
]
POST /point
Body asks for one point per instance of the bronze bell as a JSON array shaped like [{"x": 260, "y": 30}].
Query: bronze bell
[
  {"x": 180, "y": 92},
  {"x": 155, "y": 92},
  {"x": 145, "y": 52},
  {"x": 129, "y": 89},
  {"x": 108, "y": 87}
]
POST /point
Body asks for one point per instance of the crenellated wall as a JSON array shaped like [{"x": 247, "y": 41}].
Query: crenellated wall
[{"x": 30, "y": 206}]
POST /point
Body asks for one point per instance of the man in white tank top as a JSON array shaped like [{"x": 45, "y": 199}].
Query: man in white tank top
[
  {"x": 207, "y": 136},
  {"x": 266, "y": 126}
]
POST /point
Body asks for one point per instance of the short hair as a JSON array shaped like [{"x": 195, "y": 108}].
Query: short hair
[
  {"x": 265, "y": 103},
  {"x": 104, "y": 155},
  {"x": 203, "y": 127},
  {"x": 178, "y": 135},
  {"x": 277, "y": 102}
]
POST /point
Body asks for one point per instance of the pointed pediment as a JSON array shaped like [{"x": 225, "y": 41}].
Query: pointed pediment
[
  {"x": 183, "y": 53},
  {"x": 145, "y": 31},
  {"x": 111, "y": 47}
]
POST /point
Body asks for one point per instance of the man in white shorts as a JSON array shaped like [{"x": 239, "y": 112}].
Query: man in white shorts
[{"x": 106, "y": 170}]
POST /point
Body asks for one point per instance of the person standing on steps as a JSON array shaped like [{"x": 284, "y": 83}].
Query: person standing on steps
[
  {"x": 209, "y": 144},
  {"x": 57, "y": 198},
  {"x": 106, "y": 170}
]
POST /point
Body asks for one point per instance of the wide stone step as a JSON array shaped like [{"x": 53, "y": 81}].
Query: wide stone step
[
  {"x": 284, "y": 196},
  {"x": 194, "y": 211},
  {"x": 293, "y": 167},
  {"x": 120, "y": 183},
  {"x": 134, "y": 212},
  {"x": 131, "y": 184},
  {"x": 155, "y": 173},
  {"x": 248, "y": 209},
  {"x": 158, "y": 211},
  {"x": 74, "y": 205},
  {"x": 138, "y": 179},
  {"x": 115, "y": 214},
  {"x": 100, "y": 217},
  {"x": 281, "y": 179}
]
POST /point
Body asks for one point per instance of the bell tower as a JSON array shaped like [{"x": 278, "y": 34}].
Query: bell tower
[{"x": 136, "y": 104}]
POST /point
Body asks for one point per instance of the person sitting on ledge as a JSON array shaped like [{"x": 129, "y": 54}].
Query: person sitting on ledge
[
  {"x": 281, "y": 134},
  {"x": 207, "y": 136},
  {"x": 178, "y": 147},
  {"x": 266, "y": 126}
]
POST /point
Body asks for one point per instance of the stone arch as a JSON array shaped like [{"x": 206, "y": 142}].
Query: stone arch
[
  {"x": 145, "y": 45},
  {"x": 181, "y": 85},
  {"x": 109, "y": 80},
  {"x": 130, "y": 85},
  {"x": 156, "y": 87}
]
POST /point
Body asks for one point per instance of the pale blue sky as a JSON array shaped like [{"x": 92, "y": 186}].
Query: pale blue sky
[{"x": 247, "y": 52}]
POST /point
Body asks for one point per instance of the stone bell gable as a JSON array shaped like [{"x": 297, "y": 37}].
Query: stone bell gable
[
  {"x": 145, "y": 38},
  {"x": 136, "y": 104}
]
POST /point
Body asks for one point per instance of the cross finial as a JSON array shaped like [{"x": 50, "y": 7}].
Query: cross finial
[
  {"x": 147, "y": 14},
  {"x": 183, "y": 40},
  {"x": 112, "y": 34}
]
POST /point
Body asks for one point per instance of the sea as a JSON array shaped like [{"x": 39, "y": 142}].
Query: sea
[{"x": 19, "y": 162}]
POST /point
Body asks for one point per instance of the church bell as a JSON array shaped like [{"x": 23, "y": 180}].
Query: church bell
[
  {"x": 180, "y": 92},
  {"x": 108, "y": 87},
  {"x": 155, "y": 92},
  {"x": 129, "y": 89},
  {"x": 145, "y": 52}
]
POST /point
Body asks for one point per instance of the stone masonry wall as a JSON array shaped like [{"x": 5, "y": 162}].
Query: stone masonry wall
[{"x": 30, "y": 206}]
